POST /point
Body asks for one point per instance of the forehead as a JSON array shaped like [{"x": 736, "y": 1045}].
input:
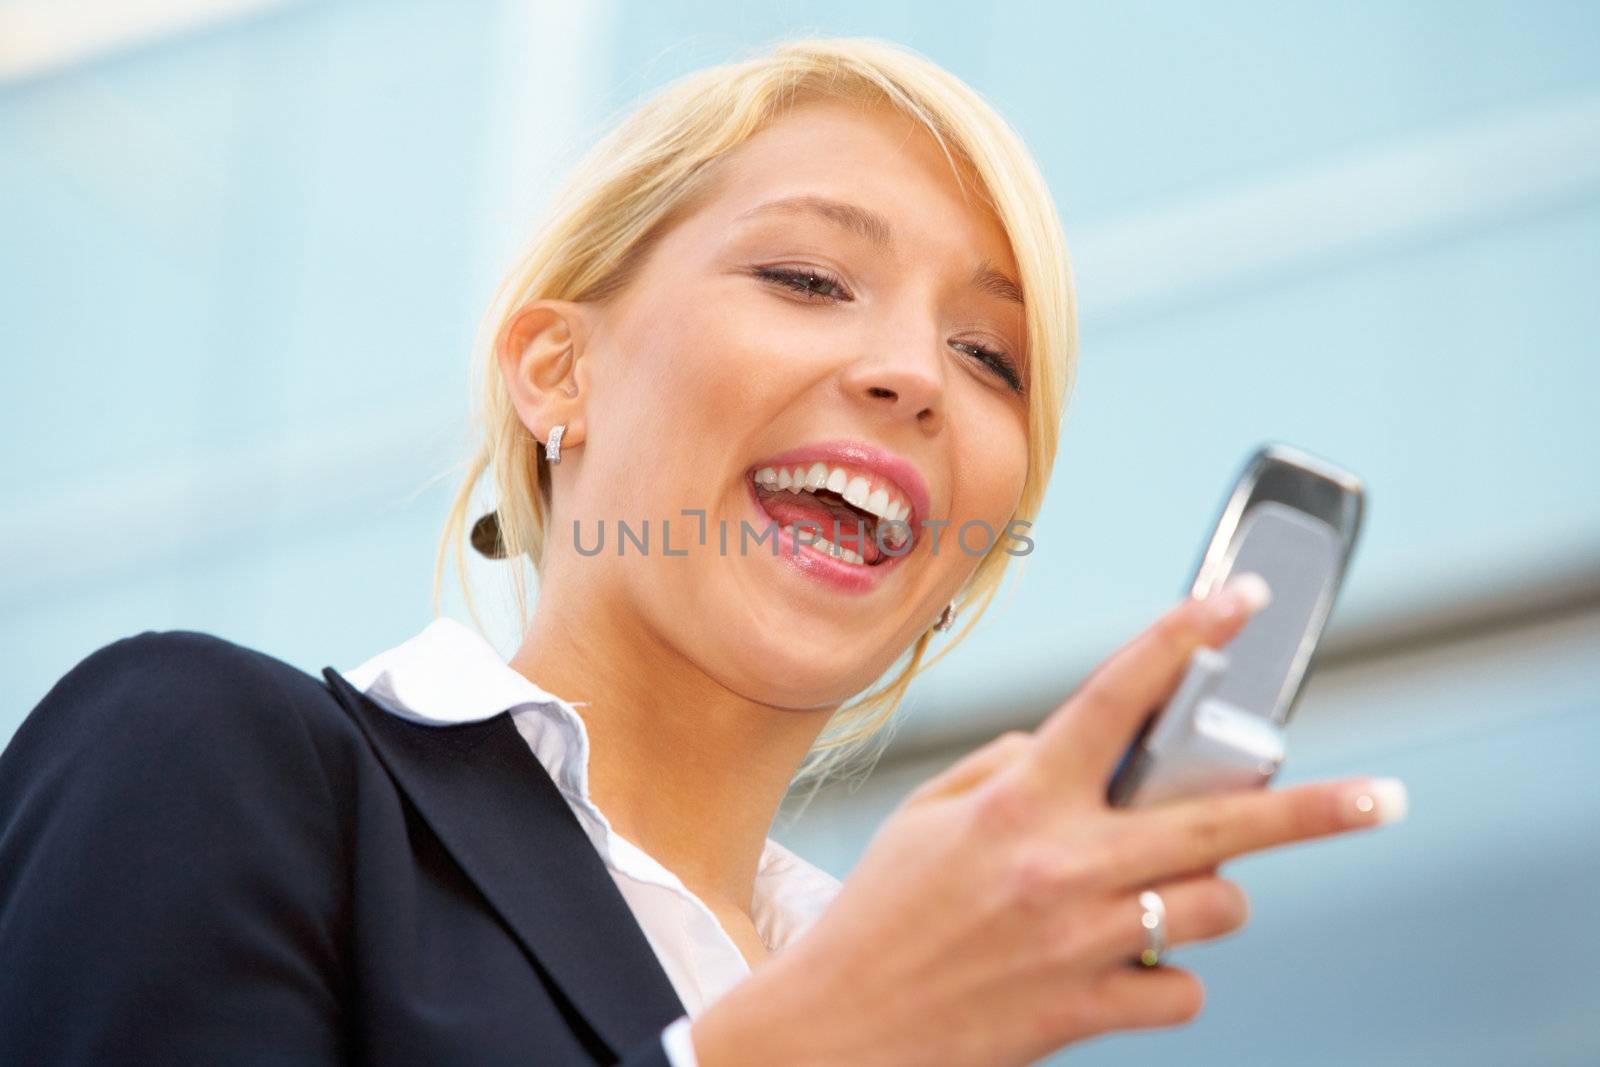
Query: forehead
[{"x": 871, "y": 156}]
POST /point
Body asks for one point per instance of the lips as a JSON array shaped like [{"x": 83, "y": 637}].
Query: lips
[{"x": 865, "y": 498}]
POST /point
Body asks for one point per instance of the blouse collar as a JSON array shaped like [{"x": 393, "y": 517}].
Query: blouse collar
[{"x": 449, "y": 674}]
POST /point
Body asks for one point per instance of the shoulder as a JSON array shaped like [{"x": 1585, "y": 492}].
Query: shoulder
[
  {"x": 184, "y": 761},
  {"x": 172, "y": 827},
  {"x": 196, "y": 666},
  {"x": 189, "y": 678},
  {"x": 195, "y": 704}
]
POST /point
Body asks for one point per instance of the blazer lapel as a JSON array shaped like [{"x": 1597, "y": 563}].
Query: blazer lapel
[{"x": 492, "y": 804}]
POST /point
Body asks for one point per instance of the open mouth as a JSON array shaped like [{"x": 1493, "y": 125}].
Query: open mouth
[{"x": 850, "y": 514}]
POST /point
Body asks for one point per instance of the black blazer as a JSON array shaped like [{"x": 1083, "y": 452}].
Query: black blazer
[{"x": 210, "y": 856}]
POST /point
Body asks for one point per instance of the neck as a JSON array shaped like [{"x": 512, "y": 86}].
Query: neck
[{"x": 682, "y": 767}]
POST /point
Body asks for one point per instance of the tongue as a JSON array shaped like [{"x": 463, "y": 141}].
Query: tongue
[{"x": 820, "y": 516}]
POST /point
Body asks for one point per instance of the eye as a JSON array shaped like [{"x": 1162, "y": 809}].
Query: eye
[
  {"x": 807, "y": 281},
  {"x": 804, "y": 281},
  {"x": 998, "y": 362}
]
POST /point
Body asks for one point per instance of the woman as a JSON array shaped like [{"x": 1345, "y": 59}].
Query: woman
[{"x": 821, "y": 291}]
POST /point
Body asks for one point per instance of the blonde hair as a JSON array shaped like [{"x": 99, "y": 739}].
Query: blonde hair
[{"x": 645, "y": 174}]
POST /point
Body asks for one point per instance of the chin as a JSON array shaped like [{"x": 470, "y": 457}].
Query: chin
[
  {"x": 777, "y": 667},
  {"x": 773, "y": 637}
]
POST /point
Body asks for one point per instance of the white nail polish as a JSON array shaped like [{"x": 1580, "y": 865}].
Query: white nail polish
[
  {"x": 1250, "y": 588},
  {"x": 1386, "y": 796}
]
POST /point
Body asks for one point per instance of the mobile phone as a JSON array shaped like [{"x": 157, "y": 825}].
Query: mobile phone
[{"x": 1293, "y": 519}]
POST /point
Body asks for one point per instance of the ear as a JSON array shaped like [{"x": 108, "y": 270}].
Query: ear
[{"x": 540, "y": 353}]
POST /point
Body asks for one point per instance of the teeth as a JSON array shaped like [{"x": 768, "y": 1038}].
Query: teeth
[
  {"x": 857, "y": 491},
  {"x": 817, "y": 541},
  {"x": 882, "y": 500}
]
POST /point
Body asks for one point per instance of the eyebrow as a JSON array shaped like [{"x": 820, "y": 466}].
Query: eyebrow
[
  {"x": 875, "y": 228},
  {"x": 989, "y": 280}
]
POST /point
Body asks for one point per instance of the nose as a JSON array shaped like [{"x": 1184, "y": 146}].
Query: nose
[{"x": 900, "y": 382}]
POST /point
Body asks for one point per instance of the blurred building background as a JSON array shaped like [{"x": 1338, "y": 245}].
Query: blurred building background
[{"x": 244, "y": 245}]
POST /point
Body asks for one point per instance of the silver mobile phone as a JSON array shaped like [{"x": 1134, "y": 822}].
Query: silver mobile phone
[{"x": 1293, "y": 519}]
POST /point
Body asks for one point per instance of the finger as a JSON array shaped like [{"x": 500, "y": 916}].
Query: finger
[
  {"x": 976, "y": 766},
  {"x": 1192, "y": 835},
  {"x": 1081, "y": 740},
  {"x": 1127, "y": 998},
  {"x": 1198, "y": 909}
]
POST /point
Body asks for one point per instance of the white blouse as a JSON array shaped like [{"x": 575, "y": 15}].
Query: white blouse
[{"x": 449, "y": 673}]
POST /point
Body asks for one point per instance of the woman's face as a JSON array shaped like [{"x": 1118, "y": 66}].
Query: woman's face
[{"x": 823, "y": 309}]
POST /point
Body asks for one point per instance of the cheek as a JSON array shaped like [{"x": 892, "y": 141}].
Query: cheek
[
  {"x": 713, "y": 357},
  {"x": 991, "y": 466},
  {"x": 683, "y": 395},
  {"x": 712, "y": 374}
]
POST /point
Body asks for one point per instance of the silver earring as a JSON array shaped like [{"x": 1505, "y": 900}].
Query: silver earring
[
  {"x": 552, "y": 447},
  {"x": 947, "y": 618}
]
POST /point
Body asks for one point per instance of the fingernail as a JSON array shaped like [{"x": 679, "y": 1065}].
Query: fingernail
[
  {"x": 1378, "y": 801},
  {"x": 1247, "y": 592}
]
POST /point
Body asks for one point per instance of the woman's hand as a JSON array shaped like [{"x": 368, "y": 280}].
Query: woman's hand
[{"x": 994, "y": 916}]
